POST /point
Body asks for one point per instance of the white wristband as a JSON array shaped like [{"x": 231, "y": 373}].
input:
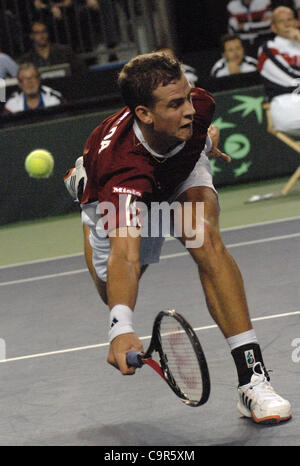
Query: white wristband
[{"x": 121, "y": 317}]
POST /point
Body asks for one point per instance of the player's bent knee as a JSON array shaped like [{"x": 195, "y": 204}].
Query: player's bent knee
[{"x": 211, "y": 250}]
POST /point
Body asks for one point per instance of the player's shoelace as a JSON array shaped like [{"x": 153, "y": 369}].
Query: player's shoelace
[{"x": 261, "y": 385}]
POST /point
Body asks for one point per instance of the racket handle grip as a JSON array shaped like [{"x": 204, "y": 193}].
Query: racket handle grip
[{"x": 133, "y": 358}]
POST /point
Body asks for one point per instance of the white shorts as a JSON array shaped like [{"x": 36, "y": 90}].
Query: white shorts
[
  {"x": 285, "y": 113},
  {"x": 150, "y": 246}
]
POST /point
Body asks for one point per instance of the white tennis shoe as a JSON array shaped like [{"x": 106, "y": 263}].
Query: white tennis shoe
[
  {"x": 75, "y": 180},
  {"x": 259, "y": 400}
]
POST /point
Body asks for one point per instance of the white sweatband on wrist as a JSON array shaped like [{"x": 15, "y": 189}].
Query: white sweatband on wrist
[{"x": 121, "y": 317}]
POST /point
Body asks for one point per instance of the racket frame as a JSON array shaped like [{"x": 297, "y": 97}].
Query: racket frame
[{"x": 163, "y": 369}]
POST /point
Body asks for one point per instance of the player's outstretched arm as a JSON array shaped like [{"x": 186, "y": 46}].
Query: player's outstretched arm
[
  {"x": 123, "y": 273},
  {"x": 123, "y": 266}
]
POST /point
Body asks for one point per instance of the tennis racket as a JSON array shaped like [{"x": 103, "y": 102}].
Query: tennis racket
[{"x": 182, "y": 362}]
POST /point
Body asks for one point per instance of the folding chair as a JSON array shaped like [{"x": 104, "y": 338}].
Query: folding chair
[{"x": 290, "y": 141}]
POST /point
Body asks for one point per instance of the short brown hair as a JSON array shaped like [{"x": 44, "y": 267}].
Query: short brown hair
[
  {"x": 143, "y": 74},
  {"x": 227, "y": 38}
]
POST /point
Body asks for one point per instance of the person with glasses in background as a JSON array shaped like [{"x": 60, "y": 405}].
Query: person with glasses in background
[
  {"x": 44, "y": 53},
  {"x": 32, "y": 94}
]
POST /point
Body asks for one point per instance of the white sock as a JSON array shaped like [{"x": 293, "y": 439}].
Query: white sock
[{"x": 242, "y": 339}]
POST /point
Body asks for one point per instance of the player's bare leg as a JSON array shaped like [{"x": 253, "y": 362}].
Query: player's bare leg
[
  {"x": 220, "y": 276},
  {"x": 225, "y": 296}
]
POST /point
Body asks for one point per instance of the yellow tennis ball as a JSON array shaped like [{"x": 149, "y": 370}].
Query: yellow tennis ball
[{"x": 39, "y": 163}]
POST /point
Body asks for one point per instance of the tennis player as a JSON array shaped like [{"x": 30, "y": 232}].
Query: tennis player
[{"x": 157, "y": 149}]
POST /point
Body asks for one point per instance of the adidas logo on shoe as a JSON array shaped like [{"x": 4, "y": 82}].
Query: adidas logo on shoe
[{"x": 259, "y": 400}]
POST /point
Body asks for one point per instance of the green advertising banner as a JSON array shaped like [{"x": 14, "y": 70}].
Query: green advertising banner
[{"x": 256, "y": 154}]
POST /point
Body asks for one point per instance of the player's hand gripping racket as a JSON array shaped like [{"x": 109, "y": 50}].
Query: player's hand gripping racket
[{"x": 182, "y": 363}]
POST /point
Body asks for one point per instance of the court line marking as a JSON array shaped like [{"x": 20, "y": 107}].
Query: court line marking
[
  {"x": 258, "y": 224},
  {"x": 78, "y": 254},
  {"x": 166, "y": 256},
  {"x": 40, "y": 261},
  {"x": 102, "y": 345},
  {"x": 44, "y": 277}
]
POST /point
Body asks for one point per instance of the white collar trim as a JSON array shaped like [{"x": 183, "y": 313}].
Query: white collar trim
[{"x": 139, "y": 135}]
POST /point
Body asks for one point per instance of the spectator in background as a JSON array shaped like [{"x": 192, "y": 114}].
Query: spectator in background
[
  {"x": 78, "y": 23},
  {"x": 54, "y": 7},
  {"x": 279, "y": 65},
  {"x": 90, "y": 30},
  {"x": 33, "y": 95},
  {"x": 8, "y": 66},
  {"x": 234, "y": 60},
  {"x": 45, "y": 53},
  {"x": 99, "y": 25},
  {"x": 251, "y": 21},
  {"x": 58, "y": 15}
]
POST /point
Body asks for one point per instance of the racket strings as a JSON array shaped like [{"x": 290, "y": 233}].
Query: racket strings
[{"x": 181, "y": 358}]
